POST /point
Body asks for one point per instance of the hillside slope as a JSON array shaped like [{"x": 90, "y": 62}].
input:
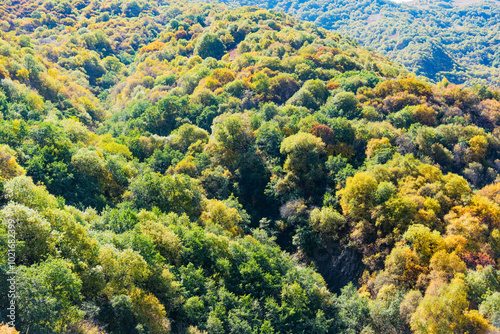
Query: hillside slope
[
  {"x": 456, "y": 40},
  {"x": 187, "y": 168}
]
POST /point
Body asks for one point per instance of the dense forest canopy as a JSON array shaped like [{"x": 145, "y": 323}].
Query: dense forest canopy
[
  {"x": 435, "y": 38},
  {"x": 177, "y": 167}
]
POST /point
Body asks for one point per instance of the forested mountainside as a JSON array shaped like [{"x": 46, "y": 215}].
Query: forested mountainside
[
  {"x": 453, "y": 39},
  {"x": 172, "y": 167}
]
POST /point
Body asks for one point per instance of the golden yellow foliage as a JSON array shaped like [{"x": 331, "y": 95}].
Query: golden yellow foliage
[
  {"x": 375, "y": 144},
  {"x": 6, "y": 329},
  {"x": 445, "y": 311},
  {"x": 467, "y": 226},
  {"x": 478, "y": 148},
  {"x": 8, "y": 164},
  {"x": 185, "y": 166},
  {"x": 446, "y": 265},
  {"x": 166, "y": 242},
  {"x": 155, "y": 46},
  {"x": 23, "y": 73},
  {"x": 424, "y": 115},
  {"x": 108, "y": 144},
  {"x": 150, "y": 311},
  {"x": 218, "y": 213}
]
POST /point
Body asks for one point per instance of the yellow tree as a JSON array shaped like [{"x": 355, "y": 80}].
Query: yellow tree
[
  {"x": 305, "y": 161},
  {"x": 446, "y": 311},
  {"x": 8, "y": 164},
  {"x": 217, "y": 213}
]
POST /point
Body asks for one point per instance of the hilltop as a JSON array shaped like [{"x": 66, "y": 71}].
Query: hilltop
[{"x": 436, "y": 39}]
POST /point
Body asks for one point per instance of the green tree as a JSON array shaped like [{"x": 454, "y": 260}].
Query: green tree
[
  {"x": 48, "y": 293},
  {"x": 162, "y": 118},
  {"x": 327, "y": 222},
  {"x": 490, "y": 307},
  {"x": 178, "y": 193},
  {"x": 209, "y": 45},
  {"x": 354, "y": 311},
  {"x": 423, "y": 241},
  {"x": 22, "y": 190},
  {"x": 269, "y": 138},
  {"x": 186, "y": 135},
  {"x": 305, "y": 161},
  {"x": 344, "y": 104},
  {"x": 233, "y": 134},
  {"x": 34, "y": 240},
  {"x": 131, "y": 9}
]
